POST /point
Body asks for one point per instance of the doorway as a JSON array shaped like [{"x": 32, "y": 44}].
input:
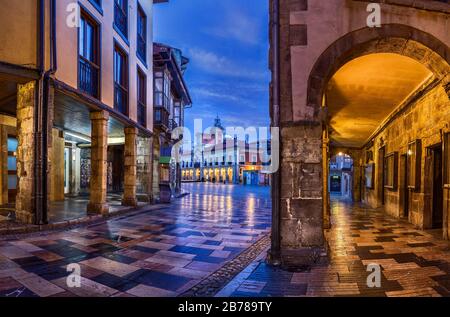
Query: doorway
[
  {"x": 12, "y": 169},
  {"x": 438, "y": 193}
]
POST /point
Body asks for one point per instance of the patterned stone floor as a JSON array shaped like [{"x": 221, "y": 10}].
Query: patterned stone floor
[
  {"x": 162, "y": 252},
  {"x": 413, "y": 262}
]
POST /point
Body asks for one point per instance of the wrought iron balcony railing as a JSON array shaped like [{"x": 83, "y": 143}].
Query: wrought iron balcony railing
[
  {"x": 173, "y": 125},
  {"x": 161, "y": 118},
  {"x": 120, "y": 99},
  {"x": 88, "y": 77}
]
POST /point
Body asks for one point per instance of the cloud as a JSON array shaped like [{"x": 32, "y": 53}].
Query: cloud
[
  {"x": 204, "y": 92},
  {"x": 212, "y": 63},
  {"x": 237, "y": 26}
]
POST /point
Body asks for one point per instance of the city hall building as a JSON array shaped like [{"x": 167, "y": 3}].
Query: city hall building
[
  {"x": 76, "y": 107},
  {"x": 377, "y": 93},
  {"x": 217, "y": 157}
]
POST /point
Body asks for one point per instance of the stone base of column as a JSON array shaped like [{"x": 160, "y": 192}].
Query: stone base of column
[
  {"x": 303, "y": 258},
  {"x": 145, "y": 198},
  {"x": 129, "y": 202},
  {"x": 273, "y": 258},
  {"x": 102, "y": 209},
  {"x": 25, "y": 217}
]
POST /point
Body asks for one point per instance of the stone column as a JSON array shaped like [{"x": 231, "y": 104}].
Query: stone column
[
  {"x": 301, "y": 203},
  {"x": 156, "y": 156},
  {"x": 144, "y": 169},
  {"x": 26, "y": 100},
  {"x": 99, "y": 154},
  {"x": 129, "y": 195},
  {"x": 325, "y": 176}
]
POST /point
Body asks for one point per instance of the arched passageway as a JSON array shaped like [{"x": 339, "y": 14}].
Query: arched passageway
[
  {"x": 379, "y": 93},
  {"x": 385, "y": 100}
]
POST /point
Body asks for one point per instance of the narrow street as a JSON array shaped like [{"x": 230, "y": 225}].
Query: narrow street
[{"x": 162, "y": 252}]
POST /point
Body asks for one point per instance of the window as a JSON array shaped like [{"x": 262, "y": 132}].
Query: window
[
  {"x": 121, "y": 17},
  {"x": 120, "y": 81},
  {"x": 242, "y": 159},
  {"x": 414, "y": 156},
  {"x": 390, "y": 171},
  {"x": 177, "y": 109},
  {"x": 141, "y": 34},
  {"x": 162, "y": 90},
  {"x": 162, "y": 97},
  {"x": 142, "y": 98},
  {"x": 89, "y": 56}
]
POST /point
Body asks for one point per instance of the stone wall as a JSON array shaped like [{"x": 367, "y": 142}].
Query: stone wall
[{"x": 423, "y": 119}]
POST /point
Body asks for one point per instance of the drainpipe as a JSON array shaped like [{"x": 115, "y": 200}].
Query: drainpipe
[
  {"x": 275, "y": 251},
  {"x": 38, "y": 167},
  {"x": 41, "y": 112}
]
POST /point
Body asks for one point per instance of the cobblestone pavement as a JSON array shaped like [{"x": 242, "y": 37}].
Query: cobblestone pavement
[
  {"x": 413, "y": 262},
  {"x": 163, "y": 252}
]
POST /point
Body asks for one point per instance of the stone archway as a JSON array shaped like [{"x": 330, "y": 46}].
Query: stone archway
[{"x": 389, "y": 38}]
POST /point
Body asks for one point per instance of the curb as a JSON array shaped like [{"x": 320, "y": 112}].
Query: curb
[{"x": 71, "y": 224}]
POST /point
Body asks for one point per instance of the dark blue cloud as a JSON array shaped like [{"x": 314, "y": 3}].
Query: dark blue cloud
[{"x": 227, "y": 43}]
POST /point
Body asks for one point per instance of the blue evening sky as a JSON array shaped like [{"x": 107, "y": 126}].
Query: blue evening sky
[{"x": 227, "y": 44}]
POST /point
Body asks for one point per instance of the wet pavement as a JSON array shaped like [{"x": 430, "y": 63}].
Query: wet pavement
[
  {"x": 162, "y": 252},
  {"x": 214, "y": 242},
  {"x": 412, "y": 262}
]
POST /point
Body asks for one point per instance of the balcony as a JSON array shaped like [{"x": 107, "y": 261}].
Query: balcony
[
  {"x": 161, "y": 119},
  {"x": 121, "y": 19},
  {"x": 172, "y": 125},
  {"x": 120, "y": 99},
  {"x": 88, "y": 77}
]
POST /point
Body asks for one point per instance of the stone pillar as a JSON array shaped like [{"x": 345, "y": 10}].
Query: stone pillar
[
  {"x": 301, "y": 203},
  {"x": 144, "y": 176},
  {"x": 56, "y": 166},
  {"x": 26, "y": 102},
  {"x": 156, "y": 156},
  {"x": 325, "y": 176},
  {"x": 129, "y": 195},
  {"x": 99, "y": 152}
]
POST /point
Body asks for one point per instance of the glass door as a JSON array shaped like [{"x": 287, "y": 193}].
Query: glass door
[{"x": 12, "y": 169}]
